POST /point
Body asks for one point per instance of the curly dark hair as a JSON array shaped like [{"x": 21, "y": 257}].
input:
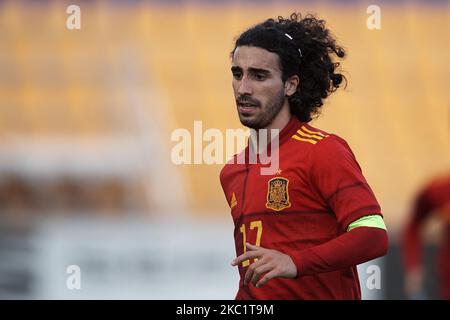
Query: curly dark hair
[{"x": 305, "y": 48}]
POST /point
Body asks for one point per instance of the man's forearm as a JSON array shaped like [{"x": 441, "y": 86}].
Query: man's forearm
[{"x": 351, "y": 248}]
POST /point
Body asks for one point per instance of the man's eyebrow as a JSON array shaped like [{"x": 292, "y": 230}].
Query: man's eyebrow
[
  {"x": 259, "y": 70},
  {"x": 251, "y": 70}
]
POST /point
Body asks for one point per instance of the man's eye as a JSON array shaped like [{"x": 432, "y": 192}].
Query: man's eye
[
  {"x": 260, "y": 77},
  {"x": 237, "y": 75}
]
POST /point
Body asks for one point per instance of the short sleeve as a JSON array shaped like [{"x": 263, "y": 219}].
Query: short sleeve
[{"x": 336, "y": 176}]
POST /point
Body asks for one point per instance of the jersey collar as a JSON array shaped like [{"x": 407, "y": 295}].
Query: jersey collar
[{"x": 285, "y": 134}]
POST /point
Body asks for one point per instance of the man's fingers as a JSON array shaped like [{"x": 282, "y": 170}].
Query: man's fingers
[
  {"x": 259, "y": 271},
  {"x": 267, "y": 277},
  {"x": 252, "y": 247},
  {"x": 245, "y": 256},
  {"x": 251, "y": 269}
]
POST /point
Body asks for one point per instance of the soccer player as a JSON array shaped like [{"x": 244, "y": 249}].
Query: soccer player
[
  {"x": 434, "y": 198},
  {"x": 300, "y": 232}
]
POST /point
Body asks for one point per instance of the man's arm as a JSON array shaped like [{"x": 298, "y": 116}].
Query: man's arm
[{"x": 366, "y": 239}]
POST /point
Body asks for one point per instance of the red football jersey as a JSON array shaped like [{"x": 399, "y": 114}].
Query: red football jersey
[{"x": 313, "y": 197}]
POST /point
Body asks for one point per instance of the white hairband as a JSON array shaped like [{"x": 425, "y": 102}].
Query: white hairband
[{"x": 290, "y": 38}]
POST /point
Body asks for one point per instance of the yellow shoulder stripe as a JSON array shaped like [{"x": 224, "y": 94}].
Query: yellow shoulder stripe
[
  {"x": 309, "y": 135},
  {"x": 314, "y": 132},
  {"x": 302, "y": 139}
]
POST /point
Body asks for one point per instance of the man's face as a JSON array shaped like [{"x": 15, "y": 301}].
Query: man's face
[{"x": 258, "y": 87}]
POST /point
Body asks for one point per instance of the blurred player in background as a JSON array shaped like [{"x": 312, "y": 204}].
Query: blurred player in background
[
  {"x": 299, "y": 233},
  {"x": 433, "y": 199}
]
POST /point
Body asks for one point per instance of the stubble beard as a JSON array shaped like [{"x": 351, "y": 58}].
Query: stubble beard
[{"x": 265, "y": 117}]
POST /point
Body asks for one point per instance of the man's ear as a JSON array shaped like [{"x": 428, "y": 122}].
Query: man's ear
[{"x": 291, "y": 85}]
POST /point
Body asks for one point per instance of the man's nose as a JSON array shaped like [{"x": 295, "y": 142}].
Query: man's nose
[{"x": 245, "y": 87}]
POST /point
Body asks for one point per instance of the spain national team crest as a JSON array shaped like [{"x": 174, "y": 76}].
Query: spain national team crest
[{"x": 278, "y": 194}]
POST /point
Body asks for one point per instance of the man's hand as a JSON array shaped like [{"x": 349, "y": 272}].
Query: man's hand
[{"x": 272, "y": 263}]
